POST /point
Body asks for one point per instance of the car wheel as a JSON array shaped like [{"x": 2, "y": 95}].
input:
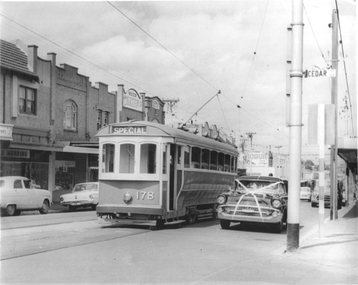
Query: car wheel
[
  {"x": 44, "y": 208},
  {"x": 278, "y": 227},
  {"x": 93, "y": 207},
  {"x": 72, "y": 208},
  {"x": 10, "y": 210},
  {"x": 313, "y": 205},
  {"x": 225, "y": 224}
]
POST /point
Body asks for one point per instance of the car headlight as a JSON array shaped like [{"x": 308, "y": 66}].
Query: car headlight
[
  {"x": 90, "y": 196},
  {"x": 221, "y": 199},
  {"x": 61, "y": 199},
  {"x": 276, "y": 203}
]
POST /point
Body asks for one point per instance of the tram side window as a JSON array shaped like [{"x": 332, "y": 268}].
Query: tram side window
[
  {"x": 221, "y": 162},
  {"x": 233, "y": 164},
  {"x": 213, "y": 160},
  {"x": 227, "y": 163},
  {"x": 108, "y": 158},
  {"x": 148, "y": 158},
  {"x": 186, "y": 157},
  {"x": 126, "y": 158},
  {"x": 179, "y": 156},
  {"x": 195, "y": 157},
  {"x": 205, "y": 157},
  {"x": 165, "y": 159}
]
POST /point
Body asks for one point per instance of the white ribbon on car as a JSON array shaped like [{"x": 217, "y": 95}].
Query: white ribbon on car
[{"x": 253, "y": 192}]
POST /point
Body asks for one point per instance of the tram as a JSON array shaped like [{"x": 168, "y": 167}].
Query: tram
[{"x": 156, "y": 175}]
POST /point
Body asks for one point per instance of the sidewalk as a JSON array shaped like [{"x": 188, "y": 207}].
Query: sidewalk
[{"x": 337, "y": 249}]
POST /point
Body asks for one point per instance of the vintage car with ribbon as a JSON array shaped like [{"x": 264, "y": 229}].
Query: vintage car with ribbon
[{"x": 256, "y": 199}]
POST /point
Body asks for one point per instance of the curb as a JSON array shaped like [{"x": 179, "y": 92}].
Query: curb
[{"x": 314, "y": 229}]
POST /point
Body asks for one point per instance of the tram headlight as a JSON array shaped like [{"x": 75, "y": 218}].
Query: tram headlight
[
  {"x": 221, "y": 199},
  {"x": 276, "y": 203},
  {"x": 127, "y": 197}
]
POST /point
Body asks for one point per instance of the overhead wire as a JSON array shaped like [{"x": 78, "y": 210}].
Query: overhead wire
[
  {"x": 91, "y": 63},
  {"x": 149, "y": 35},
  {"x": 344, "y": 65},
  {"x": 253, "y": 58}
]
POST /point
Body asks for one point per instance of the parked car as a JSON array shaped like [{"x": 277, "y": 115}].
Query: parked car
[
  {"x": 83, "y": 195},
  {"x": 327, "y": 195},
  {"x": 19, "y": 193},
  {"x": 256, "y": 199},
  {"x": 305, "y": 190}
]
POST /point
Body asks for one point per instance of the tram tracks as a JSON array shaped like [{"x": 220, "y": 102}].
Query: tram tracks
[{"x": 32, "y": 241}]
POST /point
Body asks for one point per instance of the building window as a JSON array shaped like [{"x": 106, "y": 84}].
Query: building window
[
  {"x": 106, "y": 119},
  {"x": 99, "y": 119},
  {"x": 27, "y": 100},
  {"x": 70, "y": 115}
]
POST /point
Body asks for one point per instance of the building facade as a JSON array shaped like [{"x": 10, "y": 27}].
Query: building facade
[{"x": 50, "y": 115}]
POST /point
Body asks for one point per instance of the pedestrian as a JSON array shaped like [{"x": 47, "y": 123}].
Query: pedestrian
[{"x": 340, "y": 194}]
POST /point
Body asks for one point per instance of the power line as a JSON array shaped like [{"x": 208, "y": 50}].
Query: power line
[
  {"x": 257, "y": 44},
  {"x": 139, "y": 27},
  {"x": 344, "y": 64},
  {"x": 105, "y": 69},
  {"x": 314, "y": 35}
]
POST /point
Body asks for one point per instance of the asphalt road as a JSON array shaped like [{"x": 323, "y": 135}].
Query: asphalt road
[{"x": 75, "y": 248}]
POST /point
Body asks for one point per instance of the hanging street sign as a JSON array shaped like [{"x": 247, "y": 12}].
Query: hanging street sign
[{"x": 315, "y": 71}]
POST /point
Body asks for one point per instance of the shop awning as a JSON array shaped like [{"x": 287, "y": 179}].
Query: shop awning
[
  {"x": 347, "y": 150},
  {"x": 78, "y": 149}
]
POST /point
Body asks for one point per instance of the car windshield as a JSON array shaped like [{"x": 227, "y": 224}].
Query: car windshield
[
  {"x": 261, "y": 186},
  {"x": 85, "y": 187}
]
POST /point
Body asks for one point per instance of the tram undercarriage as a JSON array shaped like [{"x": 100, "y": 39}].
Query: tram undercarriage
[{"x": 191, "y": 215}]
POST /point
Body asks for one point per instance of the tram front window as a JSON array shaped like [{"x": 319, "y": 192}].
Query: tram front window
[
  {"x": 126, "y": 158},
  {"x": 108, "y": 158},
  {"x": 148, "y": 155}
]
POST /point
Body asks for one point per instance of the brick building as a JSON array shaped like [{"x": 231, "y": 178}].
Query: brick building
[{"x": 50, "y": 115}]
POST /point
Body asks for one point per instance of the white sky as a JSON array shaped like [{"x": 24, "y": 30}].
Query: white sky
[{"x": 218, "y": 40}]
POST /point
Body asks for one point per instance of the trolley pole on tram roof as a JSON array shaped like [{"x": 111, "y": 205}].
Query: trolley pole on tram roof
[{"x": 295, "y": 125}]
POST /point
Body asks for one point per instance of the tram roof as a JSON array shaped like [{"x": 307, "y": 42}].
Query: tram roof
[{"x": 155, "y": 129}]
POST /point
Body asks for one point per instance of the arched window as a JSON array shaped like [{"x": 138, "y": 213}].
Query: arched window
[{"x": 70, "y": 115}]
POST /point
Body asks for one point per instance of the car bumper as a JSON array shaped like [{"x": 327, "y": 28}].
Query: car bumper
[
  {"x": 77, "y": 203},
  {"x": 305, "y": 196},
  {"x": 266, "y": 215}
]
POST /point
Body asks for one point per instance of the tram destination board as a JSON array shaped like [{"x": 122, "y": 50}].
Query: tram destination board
[{"x": 129, "y": 130}]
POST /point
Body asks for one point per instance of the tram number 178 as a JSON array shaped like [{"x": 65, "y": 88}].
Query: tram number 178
[{"x": 142, "y": 195}]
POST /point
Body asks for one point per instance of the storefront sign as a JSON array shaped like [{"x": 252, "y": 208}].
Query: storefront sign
[
  {"x": 18, "y": 153},
  {"x": 6, "y": 132},
  {"x": 132, "y": 100},
  {"x": 258, "y": 158},
  {"x": 129, "y": 130}
]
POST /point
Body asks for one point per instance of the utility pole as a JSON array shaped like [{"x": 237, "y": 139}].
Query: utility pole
[
  {"x": 295, "y": 125},
  {"x": 251, "y": 136},
  {"x": 334, "y": 101}
]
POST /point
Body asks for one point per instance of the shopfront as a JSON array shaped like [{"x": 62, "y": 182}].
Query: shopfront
[{"x": 33, "y": 164}]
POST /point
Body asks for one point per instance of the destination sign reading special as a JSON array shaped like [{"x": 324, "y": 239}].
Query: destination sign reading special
[{"x": 129, "y": 130}]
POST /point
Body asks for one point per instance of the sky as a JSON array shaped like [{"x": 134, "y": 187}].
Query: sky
[{"x": 189, "y": 50}]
